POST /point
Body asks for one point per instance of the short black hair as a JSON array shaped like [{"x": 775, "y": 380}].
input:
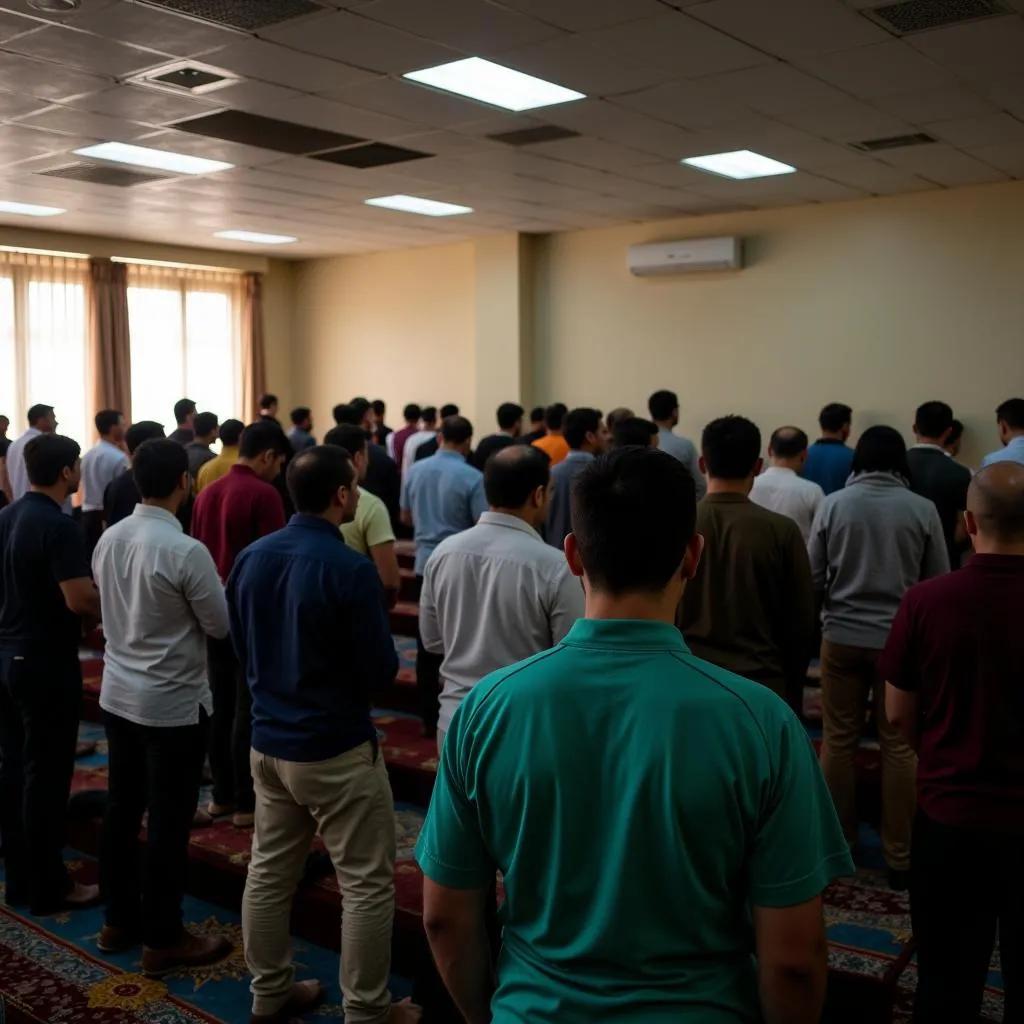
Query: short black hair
[
  {"x": 348, "y": 436},
  {"x": 933, "y": 419},
  {"x": 158, "y": 466},
  {"x": 834, "y": 417},
  {"x": 554, "y": 415},
  {"x": 456, "y": 430},
  {"x": 205, "y": 423},
  {"x": 512, "y": 474},
  {"x": 1011, "y": 412},
  {"x": 411, "y": 413},
  {"x": 429, "y": 414},
  {"x": 361, "y": 406},
  {"x": 37, "y": 413},
  {"x": 578, "y": 423},
  {"x": 379, "y": 407},
  {"x": 138, "y": 433},
  {"x": 634, "y": 431},
  {"x": 537, "y": 414},
  {"x": 300, "y": 415},
  {"x": 106, "y": 420},
  {"x": 316, "y": 474},
  {"x": 731, "y": 446},
  {"x": 617, "y": 415},
  {"x": 509, "y": 414},
  {"x": 183, "y": 408},
  {"x": 881, "y": 450},
  {"x": 230, "y": 432},
  {"x": 262, "y": 436},
  {"x": 48, "y": 455},
  {"x": 662, "y": 404},
  {"x": 634, "y": 510},
  {"x": 446, "y": 410},
  {"x": 788, "y": 442},
  {"x": 267, "y": 400},
  {"x": 955, "y": 432},
  {"x": 344, "y": 413}
]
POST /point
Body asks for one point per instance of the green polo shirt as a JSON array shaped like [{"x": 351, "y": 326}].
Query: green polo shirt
[{"x": 638, "y": 802}]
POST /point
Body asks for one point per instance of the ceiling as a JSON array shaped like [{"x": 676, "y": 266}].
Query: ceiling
[{"x": 797, "y": 80}]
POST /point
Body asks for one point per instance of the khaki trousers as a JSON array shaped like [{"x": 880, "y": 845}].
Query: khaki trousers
[
  {"x": 849, "y": 680},
  {"x": 348, "y": 799}
]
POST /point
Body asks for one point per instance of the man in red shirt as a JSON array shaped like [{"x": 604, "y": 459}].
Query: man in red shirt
[
  {"x": 954, "y": 666},
  {"x": 229, "y": 515}
]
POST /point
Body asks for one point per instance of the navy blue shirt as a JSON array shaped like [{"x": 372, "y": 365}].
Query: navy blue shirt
[
  {"x": 828, "y": 464},
  {"x": 309, "y": 625}
]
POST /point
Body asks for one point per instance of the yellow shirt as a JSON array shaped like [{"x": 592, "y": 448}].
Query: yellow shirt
[
  {"x": 216, "y": 468},
  {"x": 555, "y": 446},
  {"x": 371, "y": 526}
]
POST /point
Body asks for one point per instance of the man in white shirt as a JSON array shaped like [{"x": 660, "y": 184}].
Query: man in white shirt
[
  {"x": 496, "y": 594},
  {"x": 101, "y": 464},
  {"x": 41, "y": 420},
  {"x": 427, "y": 432},
  {"x": 781, "y": 488},
  {"x": 161, "y": 598}
]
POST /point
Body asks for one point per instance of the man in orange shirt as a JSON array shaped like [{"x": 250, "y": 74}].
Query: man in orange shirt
[{"x": 553, "y": 444}]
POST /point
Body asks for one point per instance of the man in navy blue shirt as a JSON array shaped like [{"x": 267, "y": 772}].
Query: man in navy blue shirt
[
  {"x": 830, "y": 458},
  {"x": 309, "y": 624}
]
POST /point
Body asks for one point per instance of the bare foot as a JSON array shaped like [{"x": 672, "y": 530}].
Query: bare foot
[{"x": 405, "y": 1012}]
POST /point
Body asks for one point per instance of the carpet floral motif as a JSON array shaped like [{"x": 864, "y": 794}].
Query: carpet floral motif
[
  {"x": 231, "y": 968},
  {"x": 125, "y": 992}
]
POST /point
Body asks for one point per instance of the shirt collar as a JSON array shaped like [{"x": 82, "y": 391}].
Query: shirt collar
[
  {"x": 725, "y": 498},
  {"x": 38, "y": 498},
  {"x": 512, "y": 522},
  {"x": 447, "y": 453},
  {"x": 575, "y": 455},
  {"x": 159, "y": 514},
  {"x": 109, "y": 444},
  {"x": 241, "y": 470},
  {"x": 626, "y": 634},
  {"x": 984, "y": 563},
  {"x": 831, "y": 440},
  {"x": 779, "y": 471},
  {"x": 927, "y": 446},
  {"x": 885, "y": 479},
  {"x": 304, "y": 521}
]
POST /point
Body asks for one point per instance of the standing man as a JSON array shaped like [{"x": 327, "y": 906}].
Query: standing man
[
  {"x": 308, "y": 622},
  {"x": 552, "y": 443},
  {"x": 586, "y": 434},
  {"x": 45, "y": 591},
  {"x": 781, "y": 488},
  {"x": 220, "y": 465},
  {"x": 430, "y": 447},
  {"x": 268, "y": 408},
  {"x": 382, "y": 476},
  {"x": 664, "y": 409},
  {"x": 101, "y": 464},
  {"x": 41, "y": 420},
  {"x": 830, "y": 458},
  {"x": 441, "y": 496},
  {"x": 954, "y": 662},
  {"x": 510, "y": 426},
  {"x": 750, "y": 607},
  {"x": 1010, "y": 419},
  {"x": 184, "y": 417},
  {"x": 381, "y": 431},
  {"x": 709, "y": 793},
  {"x": 426, "y": 433},
  {"x": 161, "y": 598},
  {"x": 954, "y": 440},
  {"x": 122, "y": 493},
  {"x": 633, "y": 431},
  {"x": 536, "y": 431},
  {"x": 396, "y": 440},
  {"x": 206, "y": 429},
  {"x": 301, "y": 435},
  {"x": 499, "y": 571},
  {"x": 230, "y": 514},
  {"x": 5, "y": 443}
]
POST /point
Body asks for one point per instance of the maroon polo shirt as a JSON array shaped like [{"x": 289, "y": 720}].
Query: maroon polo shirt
[
  {"x": 958, "y": 643},
  {"x": 234, "y": 511},
  {"x": 401, "y": 436}
]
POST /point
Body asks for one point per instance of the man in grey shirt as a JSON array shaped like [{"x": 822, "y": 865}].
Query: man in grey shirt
[
  {"x": 870, "y": 543},
  {"x": 102, "y": 463},
  {"x": 587, "y": 435},
  {"x": 41, "y": 420},
  {"x": 664, "y": 410}
]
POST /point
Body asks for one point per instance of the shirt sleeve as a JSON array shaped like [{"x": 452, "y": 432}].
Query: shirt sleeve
[
  {"x": 936, "y": 554},
  {"x": 405, "y": 495},
  {"x": 477, "y": 499},
  {"x": 269, "y": 513},
  {"x": 205, "y": 594},
  {"x": 378, "y": 528},
  {"x": 567, "y": 605},
  {"x": 66, "y": 551},
  {"x": 430, "y": 628},
  {"x": 901, "y": 662},
  {"x": 374, "y": 659}
]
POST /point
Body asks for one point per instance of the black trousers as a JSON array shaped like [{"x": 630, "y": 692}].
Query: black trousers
[
  {"x": 963, "y": 884},
  {"x": 158, "y": 769},
  {"x": 92, "y": 525},
  {"x": 428, "y": 677},
  {"x": 230, "y": 729},
  {"x": 40, "y": 706}
]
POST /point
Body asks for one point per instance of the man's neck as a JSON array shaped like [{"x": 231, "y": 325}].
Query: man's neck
[
  {"x": 933, "y": 441},
  {"x": 828, "y": 435},
  {"x": 1015, "y": 435},
  {"x": 169, "y": 505},
  {"x": 108, "y": 440},
  {"x": 717, "y": 486},
  {"x": 250, "y": 464},
  {"x": 664, "y": 425},
  {"x": 655, "y": 608},
  {"x": 58, "y": 494},
  {"x": 991, "y": 546},
  {"x": 451, "y": 448},
  {"x": 525, "y": 515},
  {"x": 793, "y": 465},
  {"x": 554, "y": 433}
]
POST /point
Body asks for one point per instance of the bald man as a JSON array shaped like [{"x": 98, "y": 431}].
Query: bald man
[
  {"x": 954, "y": 667},
  {"x": 781, "y": 487}
]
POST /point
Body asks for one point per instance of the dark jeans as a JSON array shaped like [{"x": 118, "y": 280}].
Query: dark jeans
[
  {"x": 159, "y": 769},
  {"x": 963, "y": 882},
  {"x": 428, "y": 677},
  {"x": 40, "y": 705},
  {"x": 230, "y": 729},
  {"x": 92, "y": 524}
]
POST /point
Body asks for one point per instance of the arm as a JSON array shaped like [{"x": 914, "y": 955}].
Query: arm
[
  {"x": 430, "y": 628},
  {"x": 936, "y": 558},
  {"x": 82, "y": 597},
  {"x": 477, "y": 499},
  {"x": 204, "y": 593},
  {"x": 386, "y": 561},
  {"x": 901, "y": 708},
  {"x": 900, "y": 667},
  {"x": 374, "y": 660},
  {"x": 269, "y": 513},
  {"x": 792, "y": 962},
  {"x": 70, "y": 568},
  {"x": 692, "y": 463},
  {"x": 405, "y": 502}
]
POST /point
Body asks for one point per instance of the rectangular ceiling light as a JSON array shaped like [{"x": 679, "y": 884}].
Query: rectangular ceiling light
[
  {"x": 161, "y": 159},
  {"x": 30, "y": 209},
  {"x": 740, "y": 164},
  {"x": 256, "y": 237},
  {"x": 413, "y": 204},
  {"x": 487, "y": 82}
]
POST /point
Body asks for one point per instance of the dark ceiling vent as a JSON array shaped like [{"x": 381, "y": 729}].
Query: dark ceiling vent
[
  {"x": 921, "y": 15},
  {"x": 531, "y": 136},
  {"x": 893, "y": 142},
  {"x": 100, "y": 174},
  {"x": 373, "y": 154},
  {"x": 246, "y": 15},
  {"x": 265, "y": 132}
]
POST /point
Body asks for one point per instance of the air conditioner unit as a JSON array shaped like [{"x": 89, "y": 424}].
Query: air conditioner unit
[{"x": 685, "y": 257}]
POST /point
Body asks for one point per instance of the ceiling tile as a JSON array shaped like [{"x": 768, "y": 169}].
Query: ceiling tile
[
  {"x": 410, "y": 102},
  {"x": 75, "y": 49},
  {"x": 38, "y": 78},
  {"x": 1009, "y": 159},
  {"x": 17, "y": 6},
  {"x": 876, "y": 70},
  {"x": 156, "y": 30},
  {"x": 979, "y": 51},
  {"x": 776, "y": 89},
  {"x": 99, "y": 126},
  {"x": 12, "y": 25},
  {"x": 502, "y": 121},
  {"x": 447, "y": 143},
  {"x": 254, "y": 96},
  {"x": 693, "y": 105},
  {"x": 921, "y": 105},
  {"x": 850, "y": 121},
  {"x": 17, "y": 143},
  {"x": 987, "y": 130},
  {"x": 12, "y": 105},
  {"x": 136, "y": 103},
  {"x": 942, "y": 164},
  {"x": 604, "y": 156},
  {"x": 581, "y": 15},
  {"x": 213, "y": 149},
  {"x": 339, "y": 117}
]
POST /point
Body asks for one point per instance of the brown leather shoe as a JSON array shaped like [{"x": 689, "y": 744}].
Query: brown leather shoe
[
  {"x": 190, "y": 951},
  {"x": 243, "y": 819},
  {"x": 117, "y": 940},
  {"x": 305, "y": 996}
]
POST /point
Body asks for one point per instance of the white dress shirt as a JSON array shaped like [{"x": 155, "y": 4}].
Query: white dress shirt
[
  {"x": 411, "y": 444},
  {"x": 493, "y": 595},
  {"x": 160, "y": 597},
  {"x": 100, "y": 464},
  {"x": 784, "y": 491},
  {"x": 17, "y": 473}
]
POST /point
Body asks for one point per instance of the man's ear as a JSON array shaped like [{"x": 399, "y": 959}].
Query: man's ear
[
  {"x": 970, "y": 524},
  {"x": 691, "y": 558},
  {"x": 758, "y": 466},
  {"x": 572, "y": 555},
  {"x": 702, "y": 464}
]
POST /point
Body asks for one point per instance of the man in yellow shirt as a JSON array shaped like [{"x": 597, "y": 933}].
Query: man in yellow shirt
[
  {"x": 553, "y": 444},
  {"x": 230, "y": 432}
]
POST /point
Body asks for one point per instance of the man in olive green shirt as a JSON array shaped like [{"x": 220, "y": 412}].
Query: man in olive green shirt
[{"x": 662, "y": 826}]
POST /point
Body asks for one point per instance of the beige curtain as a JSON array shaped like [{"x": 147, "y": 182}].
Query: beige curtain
[
  {"x": 254, "y": 372},
  {"x": 109, "y": 361}
]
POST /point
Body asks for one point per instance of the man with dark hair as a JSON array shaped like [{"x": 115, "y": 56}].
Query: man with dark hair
[
  {"x": 617, "y": 416},
  {"x": 300, "y": 435},
  {"x": 308, "y": 623},
  {"x": 122, "y": 493},
  {"x": 184, "y": 417},
  {"x": 430, "y": 447},
  {"x": 206, "y": 428},
  {"x": 750, "y": 608},
  {"x": 781, "y": 488},
  {"x": 45, "y": 591},
  {"x": 553, "y": 444},
  {"x": 441, "y": 496},
  {"x": 664, "y": 409},
  {"x": 829, "y": 459},
  {"x": 709, "y": 793},
  {"x": 425, "y": 442},
  {"x": 5, "y": 443},
  {"x": 1010, "y": 419},
  {"x": 229, "y": 515},
  {"x": 954, "y": 440},
  {"x": 586, "y": 435},
  {"x": 953, "y": 662},
  {"x": 41, "y": 420},
  {"x": 101, "y": 464},
  {"x": 268, "y": 407},
  {"x": 510, "y": 426},
  {"x": 161, "y": 598},
  {"x": 382, "y": 476},
  {"x": 536, "y": 431},
  {"x": 633, "y": 432},
  {"x": 381, "y": 431},
  {"x": 939, "y": 478},
  {"x": 396, "y": 440},
  {"x": 220, "y": 465}
]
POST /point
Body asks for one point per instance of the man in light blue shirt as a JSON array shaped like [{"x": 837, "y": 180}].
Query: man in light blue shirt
[
  {"x": 1010, "y": 416},
  {"x": 664, "y": 409},
  {"x": 101, "y": 464},
  {"x": 587, "y": 435}
]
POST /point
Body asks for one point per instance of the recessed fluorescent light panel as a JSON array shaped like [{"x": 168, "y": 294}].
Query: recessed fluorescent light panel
[
  {"x": 740, "y": 164},
  {"x": 160, "y": 159},
  {"x": 488, "y": 82},
  {"x": 413, "y": 204},
  {"x": 257, "y": 237},
  {"x": 30, "y": 209}
]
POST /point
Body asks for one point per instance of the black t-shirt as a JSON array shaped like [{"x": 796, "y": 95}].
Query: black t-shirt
[
  {"x": 40, "y": 548},
  {"x": 934, "y": 475},
  {"x": 383, "y": 478},
  {"x": 5, "y": 443},
  {"x": 122, "y": 495},
  {"x": 488, "y": 446}
]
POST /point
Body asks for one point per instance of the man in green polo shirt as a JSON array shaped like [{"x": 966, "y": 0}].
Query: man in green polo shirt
[{"x": 662, "y": 826}]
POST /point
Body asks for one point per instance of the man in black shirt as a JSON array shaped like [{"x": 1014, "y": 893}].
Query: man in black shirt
[
  {"x": 184, "y": 417},
  {"x": 537, "y": 428},
  {"x": 45, "y": 587},
  {"x": 382, "y": 476},
  {"x": 510, "y": 426}
]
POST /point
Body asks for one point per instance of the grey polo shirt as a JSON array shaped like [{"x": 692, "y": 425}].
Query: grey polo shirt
[
  {"x": 683, "y": 449},
  {"x": 563, "y": 476},
  {"x": 100, "y": 465}
]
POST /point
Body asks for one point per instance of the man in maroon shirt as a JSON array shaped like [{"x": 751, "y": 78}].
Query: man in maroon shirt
[
  {"x": 229, "y": 515},
  {"x": 954, "y": 666},
  {"x": 396, "y": 441}
]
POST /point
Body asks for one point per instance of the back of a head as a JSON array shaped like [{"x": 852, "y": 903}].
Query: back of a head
[
  {"x": 262, "y": 436},
  {"x": 578, "y": 423},
  {"x": 348, "y": 436},
  {"x": 138, "y": 433},
  {"x": 514, "y": 473},
  {"x": 300, "y": 415},
  {"x": 635, "y": 432},
  {"x": 344, "y": 413},
  {"x": 933, "y": 419},
  {"x": 1011, "y": 412},
  {"x": 634, "y": 510},
  {"x": 509, "y": 414},
  {"x": 662, "y": 405},
  {"x": 106, "y": 420},
  {"x": 834, "y": 417},
  {"x": 316, "y": 475},
  {"x": 554, "y": 415},
  {"x": 205, "y": 423},
  {"x": 379, "y": 408},
  {"x": 996, "y": 501},
  {"x": 38, "y": 413},
  {"x": 183, "y": 408},
  {"x": 537, "y": 415},
  {"x": 446, "y": 410},
  {"x": 881, "y": 449},
  {"x": 788, "y": 443},
  {"x": 268, "y": 401},
  {"x": 412, "y": 413},
  {"x": 361, "y": 407},
  {"x": 616, "y": 416},
  {"x": 731, "y": 446},
  {"x": 429, "y": 416},
  {"x": 230, "y": 432},
  {"x": 48, "y": 455},
  {"x": 158, "y": 467},
  {"x": 956, "y": 432},
  {"x": 456, "y": 430}
]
